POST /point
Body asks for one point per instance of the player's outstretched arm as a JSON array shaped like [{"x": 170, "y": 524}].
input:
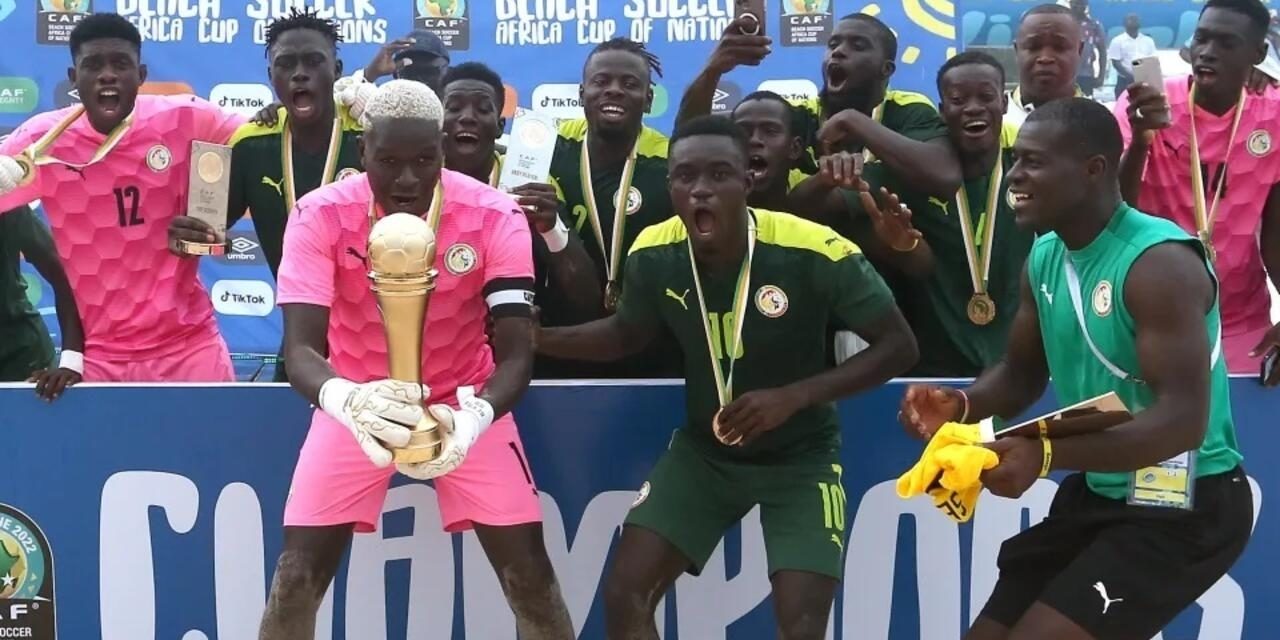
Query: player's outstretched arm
[
  {"x": 892, "y": 351},
  {"x": 38, "y": 249},
  {"x": 933, "y": 166},
  {"x": 733, "y": 50},
  {"x": 513, "y": 355},
  {"x": 1168, "y": 292},
  {"x": 604, "y": 340},
  {"x": 306, "y": 345},
  {"x": 1006, "y": 389}
]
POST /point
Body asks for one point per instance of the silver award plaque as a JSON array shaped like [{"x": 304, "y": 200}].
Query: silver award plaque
[
  {"x": 529, "y": 150},
  {"x": 207, "y": 194}
]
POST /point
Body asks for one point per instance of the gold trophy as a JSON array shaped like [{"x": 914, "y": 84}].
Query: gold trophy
[{"x": 402, "y": 249}]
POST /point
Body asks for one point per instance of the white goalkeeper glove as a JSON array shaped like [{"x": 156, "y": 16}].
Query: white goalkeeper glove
[
  {"x": 462, "y": 427},
  {"x": 375, "y": 412},
  {"x": 354, "y": 92},
  {"x": 11, "y": 174}
]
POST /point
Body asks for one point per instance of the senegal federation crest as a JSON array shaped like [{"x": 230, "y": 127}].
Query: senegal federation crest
[
  {"x": 26, "y": 578},
  {"x": 1102, "y": 299},
  {"x": 1259, "y": 143},
  {"x": 460, "y": 259},
  {"x": 634, "y": 200},
  {"x": 159, "y": 158},
  {"x": 771, "y": 301},
  {"x": 346, "y": 173}
]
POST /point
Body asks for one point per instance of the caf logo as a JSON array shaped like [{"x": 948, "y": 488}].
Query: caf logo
[
  {"x": 634, "y": 200},
  {"x": 1102, "y": 299},
  {"x": 346, "y": 173},
  {"x": 26, "y": 578},
  {"x": 159, "y": 158},
  {"x": 460, "y": 259},
  {"x": 771, "y": 301},
  {"x": 1259, "y": 143}
]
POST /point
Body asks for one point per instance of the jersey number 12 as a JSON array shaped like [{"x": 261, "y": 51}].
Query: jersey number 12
[{"x": 127, "y": 207}]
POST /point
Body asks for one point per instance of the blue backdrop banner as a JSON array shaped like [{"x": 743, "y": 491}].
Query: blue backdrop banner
[{"x": 160, "y": 510}]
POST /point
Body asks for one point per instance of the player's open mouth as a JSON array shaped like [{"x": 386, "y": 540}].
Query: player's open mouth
[
  {"x": 465, "y": 140},
  {"x": 403, "y": 203},
  {"x": 109, "y": 100},
  {"x": 757, "y": 167},
  {"x": 304, "y": 103},
  {"x": 704, "y": 222},
  {"x": 975, "y": 128},
  {"x": 613, "y": 111},
  {"x": 837, "y": 78},
  {"x": 1204, "y": 72},
  {"x": 1020, "y": 199}
]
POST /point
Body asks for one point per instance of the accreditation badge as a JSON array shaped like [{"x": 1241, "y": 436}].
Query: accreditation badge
[{"x": 1168, "y": 484}]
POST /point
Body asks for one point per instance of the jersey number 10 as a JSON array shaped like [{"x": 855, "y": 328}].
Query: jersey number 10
[{"x": 722, "y": 334}]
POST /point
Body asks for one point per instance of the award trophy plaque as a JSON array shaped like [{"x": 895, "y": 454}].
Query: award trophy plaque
[
  {"x": 402, "y": 249},
  {"x": 207, "y": 194},
  {"x": 532, "y": 143}
]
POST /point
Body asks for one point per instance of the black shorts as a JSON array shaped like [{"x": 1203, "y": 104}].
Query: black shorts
[{"x": 1123, "y": 571}]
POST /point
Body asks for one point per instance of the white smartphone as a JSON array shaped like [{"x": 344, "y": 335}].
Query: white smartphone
[{"x": 1147, "y": 71}]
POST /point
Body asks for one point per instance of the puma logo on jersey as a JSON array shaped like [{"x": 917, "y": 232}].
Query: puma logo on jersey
[
  {"x": 679, "y": 298},
  {"x": 1106, "y": 601},
  {"x": 838, "y": 542},
  {"x": 351, "y": 251},
  {"x": 1044, "y": 288},
  {"x": 939, "y": 203},
  {"x": 274, "y": 185}
]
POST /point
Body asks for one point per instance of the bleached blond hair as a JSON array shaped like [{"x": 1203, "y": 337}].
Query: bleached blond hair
[{"x": 403, "y": 99}]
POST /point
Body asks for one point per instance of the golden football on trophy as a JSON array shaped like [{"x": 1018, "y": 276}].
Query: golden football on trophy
[{"x": 402, "y": 249}]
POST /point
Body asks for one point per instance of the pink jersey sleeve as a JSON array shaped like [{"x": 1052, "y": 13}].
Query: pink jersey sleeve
[
  {"x": 307, "y": 266},
  {"x": 509, "y": 247},
  {"x": 16, "y": 143},
  {"x": 214, "y": 124}
]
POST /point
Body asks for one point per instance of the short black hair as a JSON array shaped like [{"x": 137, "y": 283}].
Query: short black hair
[
  {"x": 100, "y": 26},
  {"x": 791, "y": 117},
  {"x": 1092, "y": 127},
  {"x": 1048, "y": 9},
  {"x": 1254, "y": 10},
  {"x": 711, "y": 126},
  {"x": 479, "y": 72},
  {"x": 630, "y": 46},
  {"x": 884, "y": 37},
  {"x": 299, "y": 19},
  {"x": 970, "y": 57}
]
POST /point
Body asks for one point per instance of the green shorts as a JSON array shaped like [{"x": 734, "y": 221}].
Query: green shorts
[
  {"x": 26, "y": 348},
  {"x": 691, "y": 499}
]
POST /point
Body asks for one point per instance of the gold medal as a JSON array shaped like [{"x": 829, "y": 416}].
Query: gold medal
[
  {"x": 981, "y": 309},
  {"x": 612, "y": 294}
]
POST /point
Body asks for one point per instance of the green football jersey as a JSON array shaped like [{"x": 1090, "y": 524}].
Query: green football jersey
[
  {"x": 19, "y": 228},
  {"x": 1102, "y": 269},
  {"x": 904, "y": 112},
  {"x": 802, "y": 275},
  {"x": 257, "y": 177},
  {"x": 950, "y": 344},
  {"x": 648, "y": 202}
]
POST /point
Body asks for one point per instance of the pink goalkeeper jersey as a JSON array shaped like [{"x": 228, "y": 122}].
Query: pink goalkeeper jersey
[
  {"x": 483, "y": 254},
  {"x": 1252, "y": 169},
  {"x": 110, "y": 223}
]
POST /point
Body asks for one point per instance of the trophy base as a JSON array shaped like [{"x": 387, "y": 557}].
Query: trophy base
[
  {"x": 426, "y": 443},
  {"x": 201, "y": 248}
]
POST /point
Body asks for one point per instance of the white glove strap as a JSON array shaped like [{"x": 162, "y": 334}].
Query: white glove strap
[
  {"x": 73, "y": 360},
  {"x": 483, "y": 411},
  {"x": 558, "y": 237},
  {"x": 333, "y": 397}
]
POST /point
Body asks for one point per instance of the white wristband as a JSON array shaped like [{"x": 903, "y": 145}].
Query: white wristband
[
  {"x": 558, "y": 237},
  {"x": 359, "y": 75},
  {"x": 469, "y": 402},
  {"x": 73, "y": 360},
  {"x": 333, "y": 396}
]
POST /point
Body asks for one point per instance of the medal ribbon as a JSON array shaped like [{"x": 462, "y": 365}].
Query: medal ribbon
[
  {"x": 433, "y": 214},
  {"x": 613, "y": 259},
  {"x": 1204, "y": 219},
  {"x": 330, "y": 160},
  {"x": 724, "y": 384},
  {"x": 35, "y": 152},
  {"x": 979, "y": 254},
  {"x": 496, "y": 171}
]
